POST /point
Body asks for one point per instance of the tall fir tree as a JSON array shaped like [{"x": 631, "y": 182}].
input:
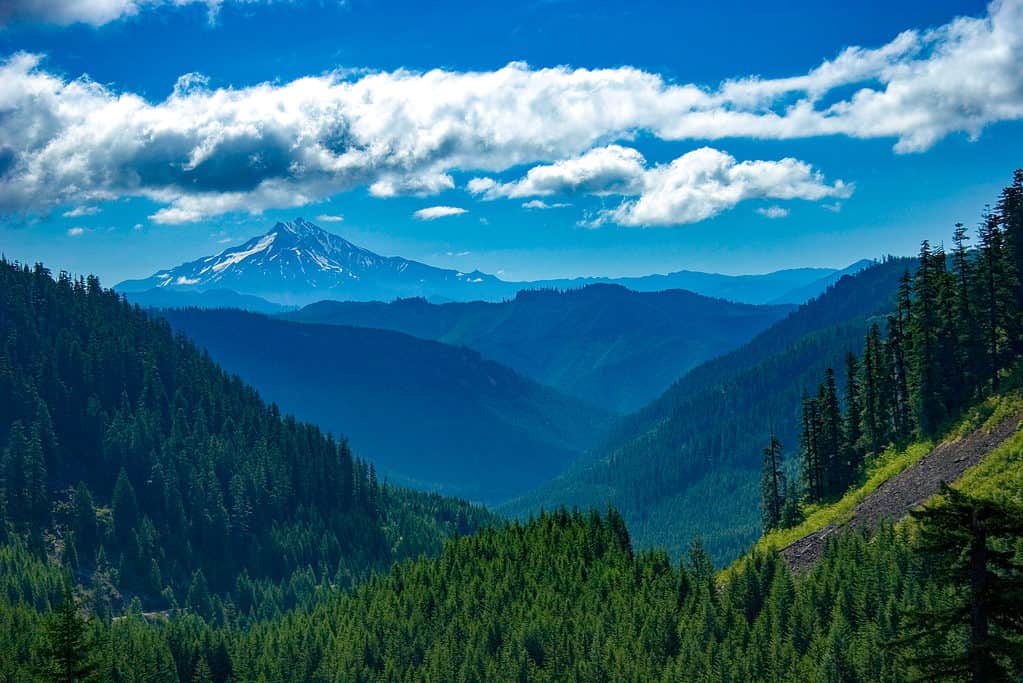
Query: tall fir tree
[
  {"x": 975, "y": 631},
  {"x": 67, "y": 654},
  {"x": 772, "y": 484}
]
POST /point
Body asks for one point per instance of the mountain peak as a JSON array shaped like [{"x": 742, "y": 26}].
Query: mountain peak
[
  {"x": 298, "y": 226},
  {"x": 298, "y": 262}
]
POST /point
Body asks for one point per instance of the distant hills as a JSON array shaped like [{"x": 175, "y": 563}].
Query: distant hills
[
  {"x": 212, "y": 298},
  {"x": 610, "y": 345},
  {"x": 297, "y": 263},
  {"x": 793, "y": 286},
  {"x": 427, "y": 414},
  {"x": 689, "y": 461}
]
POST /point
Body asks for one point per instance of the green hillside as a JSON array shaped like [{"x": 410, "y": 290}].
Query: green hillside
[
  {"x": 138, "y": 465},
  {"x": 427, "y": 414},
  {"x": 604, "y": 343},
  {"x": 689, "y": 462}
]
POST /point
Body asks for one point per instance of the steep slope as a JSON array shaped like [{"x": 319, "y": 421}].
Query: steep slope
[
  {"x": 131, "y": 458},
  {"x": 803, "y": 293},
  {"x": 605, "y": 343},
  {"x": 688, "y": 463},
  {"x": 429, "y": 414},
  {"x": 895, "y": 496},
  {"x": 297, "y": 262}
]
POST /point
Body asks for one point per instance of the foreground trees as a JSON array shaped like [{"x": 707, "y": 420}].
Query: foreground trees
[
  {"x": 974, "y": 628},
  {"x": 954, "y": 335}
]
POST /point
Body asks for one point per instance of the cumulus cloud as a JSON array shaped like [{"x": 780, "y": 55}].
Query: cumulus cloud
[
  {"x": 773, "y": 211},
  {"x": 203, "y": 152},
  {"x": 79, "y": 211},
  {"x": 693, "y": 187},
  {"x": 75, "y": 231},
  {"x": 434, "y": 212},
  {"x": 603, "y": 171},
  {"x": 327, "y": 218},
  {"x": 703, "y": 183},
  {"x": 541, "y": 204}
]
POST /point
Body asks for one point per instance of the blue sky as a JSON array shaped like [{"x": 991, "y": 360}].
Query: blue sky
[{"x": 646, "y": 162}]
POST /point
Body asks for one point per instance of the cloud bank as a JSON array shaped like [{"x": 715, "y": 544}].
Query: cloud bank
[
  {"x": 203, "y": 152},
  {"x": 696, "y": 186}
]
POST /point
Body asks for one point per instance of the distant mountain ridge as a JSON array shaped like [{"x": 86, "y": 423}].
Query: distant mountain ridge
[
  {"x": 297, "y": 263},
  {"x": 212, "y": 298},
  {"x": 428, "y": 415},
  {"x": 689, "y": 461},
  {"x": 792, "y": 286},
  {"x": 603, "y": 343}
]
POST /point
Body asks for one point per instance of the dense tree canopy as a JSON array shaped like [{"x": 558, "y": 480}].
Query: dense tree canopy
[{"x": 131, "y": 457}]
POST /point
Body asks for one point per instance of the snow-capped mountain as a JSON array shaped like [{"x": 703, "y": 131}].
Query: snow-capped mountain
[{"x": 298, "y": 262}]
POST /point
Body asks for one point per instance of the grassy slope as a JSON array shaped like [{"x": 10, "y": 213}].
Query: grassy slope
[{"x": 999, "y": 474}]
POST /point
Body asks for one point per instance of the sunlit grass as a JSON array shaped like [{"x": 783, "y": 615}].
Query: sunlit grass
[{"x": 1000, "y": 473}]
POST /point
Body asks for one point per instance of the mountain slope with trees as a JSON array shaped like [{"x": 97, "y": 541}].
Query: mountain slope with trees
[
  {"x": 432, "y": 415},
  {"x": 689, "y": 462},
  {"x": 148, "y": 471},
  {"x": 566, "y": 596},
  {"x": 603, "y": 343}
]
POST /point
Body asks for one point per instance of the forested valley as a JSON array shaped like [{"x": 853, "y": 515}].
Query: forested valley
[{"x": 161, "y": 523}]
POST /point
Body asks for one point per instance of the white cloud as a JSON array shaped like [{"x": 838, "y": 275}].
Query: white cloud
[
  {"x": 203, "y": 152},
  {"x": 75, "y": 231},
  {"x": 458, "y": 253},
  {"x": 602, "y": 171},
  {"x": 433, "y": 212},
  {"x": 693, "y": 187},
  {"x": 80, "y": 211},
  {"x": 773, "y": 212},
  {"x": 94, "y": 12},
  {"x": 137, "y": 226},
  {"x": 541, "y": 204},
  {"x": 703, "y": 183},
  {"x": 327, "y": 218}
]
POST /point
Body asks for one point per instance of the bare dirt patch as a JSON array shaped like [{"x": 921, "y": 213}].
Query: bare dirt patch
[{"x": 894, "y": 498}]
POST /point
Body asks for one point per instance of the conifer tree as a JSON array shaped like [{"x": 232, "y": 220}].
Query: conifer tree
[
  {"x": 125, "y": 509},
  {"x": 1010, "y": 210},
  {"x": 976, "y": 633},
  {"x": 772, "y": 485},
  {"x": 963, "y": 320},
  {"x": 899, "y": 346},
  {"x": 83, "y": 524},
  {"x": 998, "y": 316},
  {"x": 830, "y": 440},
  {"x": 810, "y": 459},
  {"x": 875, "y": 400},
  {"x": 67, "y": 654},
  {"x": 924, "y": 375},
  {"x": 852, "y": 435}
]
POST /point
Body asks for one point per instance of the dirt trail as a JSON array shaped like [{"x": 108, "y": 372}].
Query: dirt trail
[{"x": 894, "y": 498}]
